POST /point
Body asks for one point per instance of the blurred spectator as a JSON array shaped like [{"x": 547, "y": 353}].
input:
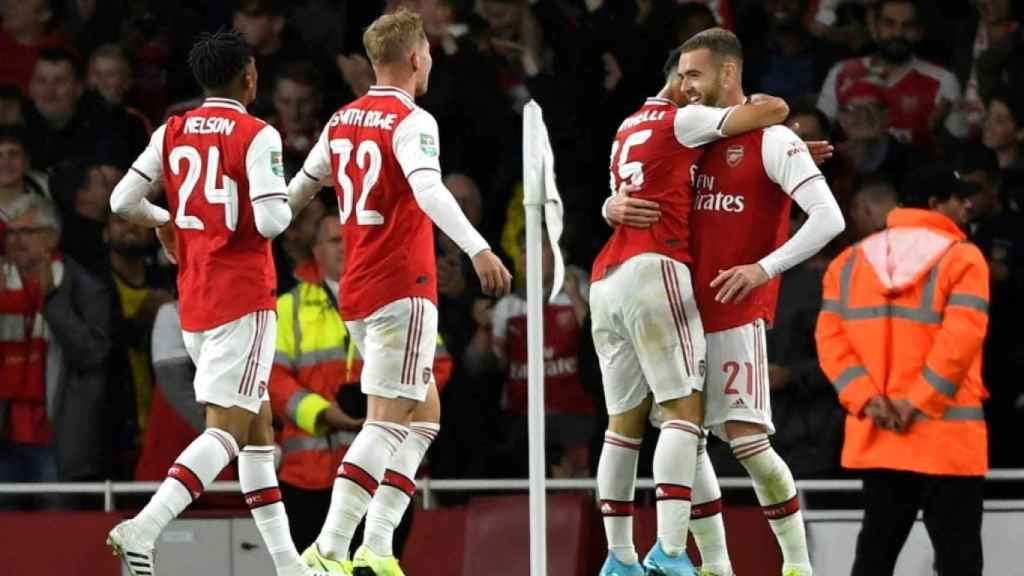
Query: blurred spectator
[
  {"x": 139, "y": 288},
  {"x": 999, "y": 234},
  {"x": 263, "y": 23},
  {"x": 781, "y": 57},
  {"x": 981, "y": 50},
  {"x": 16, "y": 179},
  {"x": 298, "y": 103},
  {"x": 27, "y": 29},
  {"x": 175, "y": 418},
  {"x": 293, "y": 249},
  {"x": 689, "y": 19},
  {"x": 55, "y": 332},
  {"x": 873, "y": 199},
  {"x": 12, "y": 105},
  {"x": 110, "y": 76},
  {"x": 808, "y": 420},
  {"x": 66, "y": 122},
  {"x": 918, "y": 95},
  {"x": 569, "y": 406},
  {"x": 83, "y": 191},
  {"x": 90, "y": 23},
  {"x": 865, "y": 116},
  {"x": 1004, "y": 128}
]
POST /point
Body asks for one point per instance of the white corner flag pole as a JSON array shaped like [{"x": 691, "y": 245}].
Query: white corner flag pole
[{"x": 543, "y": 206}]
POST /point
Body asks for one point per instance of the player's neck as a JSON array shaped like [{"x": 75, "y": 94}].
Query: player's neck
[
  {"x": 406, "y": 83},
  {"x": 733, "y": 98},
  {"x": 226, "y": 95}
]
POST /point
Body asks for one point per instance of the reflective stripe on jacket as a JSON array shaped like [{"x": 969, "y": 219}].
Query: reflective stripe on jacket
[
  {"x": 905, "y": 313},
  {"x": 315, "y": 357}
]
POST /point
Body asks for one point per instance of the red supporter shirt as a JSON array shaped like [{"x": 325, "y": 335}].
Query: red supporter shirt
[
  {"x": 216, "y": 161},
  {"x": 563, "y": 389},
  {"x": 911, "y": 93},
  {"x": 19, "y": 59},
  {"x": 370, "y": 147},
  {"x": 658, "y": 148},
  {"x": 744, "y": 187}
]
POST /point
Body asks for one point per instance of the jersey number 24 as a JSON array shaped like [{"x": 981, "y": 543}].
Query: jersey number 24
[{"x": 226, "y": 194}]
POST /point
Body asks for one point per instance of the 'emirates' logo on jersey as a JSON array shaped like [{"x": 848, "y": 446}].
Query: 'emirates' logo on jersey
[{"x": 734, "y": 155}]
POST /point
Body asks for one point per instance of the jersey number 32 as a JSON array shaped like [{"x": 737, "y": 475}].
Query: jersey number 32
[{"x": 368, "y": 161}]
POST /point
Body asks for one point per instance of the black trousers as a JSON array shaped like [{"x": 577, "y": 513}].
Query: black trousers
[
  {"x": 952, "y": 505},
  {"x": 307, "y": 510}
]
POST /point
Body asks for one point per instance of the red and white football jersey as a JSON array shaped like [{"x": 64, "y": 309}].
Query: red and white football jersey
[
  {"x": 371, "y": 147},
  {"x": 563, "y": 388},
  {"x": 216, "y": 161},
  {"x": 911, "y": 94},
  {"x": 744, "y": 187},
  {"x": 658, "y": 148}
]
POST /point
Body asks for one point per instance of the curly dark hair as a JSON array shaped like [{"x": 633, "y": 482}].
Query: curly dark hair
[{"x": 217, "y": 59}]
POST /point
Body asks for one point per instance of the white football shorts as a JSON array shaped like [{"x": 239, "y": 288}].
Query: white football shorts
[
  {"x": 737, "y": 381},
  {"x": 397, "y": 342},
  {"x": 233, "y": 360},
  {"x": 647, "y": 332}
]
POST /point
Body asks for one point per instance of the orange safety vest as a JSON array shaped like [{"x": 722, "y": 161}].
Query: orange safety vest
[
  {"x": 904, "y": 315},
  {"x": 314, "y": 358}
]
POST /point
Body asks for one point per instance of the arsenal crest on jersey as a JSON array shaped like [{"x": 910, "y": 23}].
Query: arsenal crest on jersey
[{"x": 733, "y": 155}]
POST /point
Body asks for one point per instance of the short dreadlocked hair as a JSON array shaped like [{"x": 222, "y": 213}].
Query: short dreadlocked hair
[{"x": 217, "y": 59}]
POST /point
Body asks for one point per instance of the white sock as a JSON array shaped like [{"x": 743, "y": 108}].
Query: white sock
[
  {"x": 674, "y": 462},
  {"x": 706, "y": 523},
  {"x": 258, "y": 480},
  {"x": 776, "y": 492},
  {"x": 358, "y": 476},
  {"x": 194, "y": 469},
  {"x": 398, "y": 488},
  {"x": 616, "y": 485}
]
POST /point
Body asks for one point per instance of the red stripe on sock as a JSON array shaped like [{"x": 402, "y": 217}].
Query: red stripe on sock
[
  {"x": 400, "y": 481},
  {"x": 616, "y": 508},
  {"x": 188, "y": 479},
  {"x": 223, "y": 442},
  {"x": 692, "y": 429},
  {"x": 782, "y": 509},
  {"x": 621, "y": 443},
  {"x": 360, "y": 477},
  {"x": 748, "y": 452},
  {"x": 706, "y": 510},
  {"x": 671, "y": 492},
  {"x": 263, "y": 497}
]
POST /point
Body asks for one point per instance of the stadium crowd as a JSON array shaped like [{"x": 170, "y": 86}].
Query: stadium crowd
[{"x": 95, "y": 382}]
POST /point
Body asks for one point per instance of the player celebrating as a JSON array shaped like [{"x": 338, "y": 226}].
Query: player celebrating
[
  {"x": 744, "y": 188},
  {"x": 221, "y": 241},
  {"x": 382, "y": 151},
  {"x": 646, "y": 329}
]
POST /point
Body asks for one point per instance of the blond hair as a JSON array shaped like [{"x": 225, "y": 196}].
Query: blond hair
[{"x": 393, "y": 36}]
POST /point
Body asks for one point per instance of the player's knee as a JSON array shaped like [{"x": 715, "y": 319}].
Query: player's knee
[
  {"x": 630, "y": 424},
  {"x": 736, "y": 429},
  {"x": 689, "y": 408}
]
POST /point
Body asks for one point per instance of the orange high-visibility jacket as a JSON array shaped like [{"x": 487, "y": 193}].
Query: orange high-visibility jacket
[
  {"x": 315, "y": 357},
  {"x": 904, "y": 315}
]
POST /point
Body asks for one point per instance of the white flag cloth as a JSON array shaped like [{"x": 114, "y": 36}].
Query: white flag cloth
[{"x": 539, "y": 188}]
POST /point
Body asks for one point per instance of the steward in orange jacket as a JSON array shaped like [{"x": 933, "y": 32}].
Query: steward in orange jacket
[{"x": 900, "y": 336}]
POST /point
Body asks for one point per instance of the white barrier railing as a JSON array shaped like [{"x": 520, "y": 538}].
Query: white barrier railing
[{"x": 428, "y": 486}]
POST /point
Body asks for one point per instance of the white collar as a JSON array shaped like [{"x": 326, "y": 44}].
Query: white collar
[{"x": 215, "y": 102}]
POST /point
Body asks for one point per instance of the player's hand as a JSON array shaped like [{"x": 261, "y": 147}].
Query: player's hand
[
  {"x": 165, "y": 234},
  {"x": 495, "y": 279},
  {"x": 905, "y": 413},
  {"x": 821, "y": 150},
  {"x": 624, "y": 210},
  {"x": 737, "y": 282}
]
